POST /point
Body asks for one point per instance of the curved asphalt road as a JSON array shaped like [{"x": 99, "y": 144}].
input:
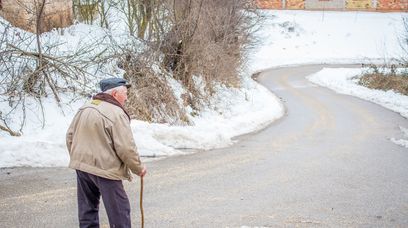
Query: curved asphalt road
[{"x": 328, "y": 162}]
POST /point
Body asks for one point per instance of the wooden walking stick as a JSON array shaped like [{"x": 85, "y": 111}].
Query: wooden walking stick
[{"x": 141, "y": 200}]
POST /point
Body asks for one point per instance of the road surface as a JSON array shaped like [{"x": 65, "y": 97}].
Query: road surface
[{"x": 327, "y": 162}]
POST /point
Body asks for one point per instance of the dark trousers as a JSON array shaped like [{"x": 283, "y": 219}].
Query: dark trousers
[{"x": 89, "y": 190}]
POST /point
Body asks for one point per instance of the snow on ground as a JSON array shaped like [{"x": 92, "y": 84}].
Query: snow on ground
[
  {"x": 402, "y": 142},
  {"x": 213, "y": 128},
  {"x": 39, "y": 147},
  {"x": 299, "y": 37},
  {"x": 288, "y": 37},
  {"x": 344, "y": 80}
]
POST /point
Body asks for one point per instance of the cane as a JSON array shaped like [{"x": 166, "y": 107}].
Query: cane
[{"x": 141, "y": 200}]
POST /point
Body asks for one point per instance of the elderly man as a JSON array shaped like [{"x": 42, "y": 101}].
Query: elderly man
[{"x": 103, "y": 152}]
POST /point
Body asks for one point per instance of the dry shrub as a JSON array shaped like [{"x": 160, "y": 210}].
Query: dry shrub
[
  {"x": 222, "y": 36},
  {"x": 386, "y": 77},
  {"x": 208, "y": 39},
  {"x": 398, "y": 83},
  {"x": 150, "y": 98}
]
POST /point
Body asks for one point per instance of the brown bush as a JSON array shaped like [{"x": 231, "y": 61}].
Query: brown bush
[
  {"x": 188, "y": 38},
  {"x": 150, "y": 98},
  {"x": 386, "y": 77},
  {"x": 207, "y": 39},
  {"x": 398, "y": 83}
]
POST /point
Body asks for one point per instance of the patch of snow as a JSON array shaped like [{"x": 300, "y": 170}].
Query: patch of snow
[
  {"x": 227, "y": 117},
  {"x": 402, "y": 142},
  {"x": 177, "y": 88},
  {"x": 38, "y": 146}
]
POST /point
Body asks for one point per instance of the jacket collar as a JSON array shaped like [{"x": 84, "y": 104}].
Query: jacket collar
[{"x": 110, "y": 99}]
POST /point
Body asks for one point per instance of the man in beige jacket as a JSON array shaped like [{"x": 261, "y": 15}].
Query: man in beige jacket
[{"x": 103, "y": 153}]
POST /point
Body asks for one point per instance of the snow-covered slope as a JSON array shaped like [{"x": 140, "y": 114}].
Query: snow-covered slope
[
  {"x": 298, "y": 37},
  {"x": 288, "y": 37}
]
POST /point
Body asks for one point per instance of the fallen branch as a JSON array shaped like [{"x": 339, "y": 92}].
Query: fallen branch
[{"x": 11, "y": 132}]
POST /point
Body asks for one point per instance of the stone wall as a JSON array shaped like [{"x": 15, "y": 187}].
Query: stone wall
[{"x": 21, "y": 13}]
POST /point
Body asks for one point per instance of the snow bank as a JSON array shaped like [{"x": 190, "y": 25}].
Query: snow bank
[
  {"x": 214, "y": 128},
  {"x": 38, "y": 146},
  {"x": 233, "y": 112}
]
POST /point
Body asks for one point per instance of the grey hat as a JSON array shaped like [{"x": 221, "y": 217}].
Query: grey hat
[{"x": 110, "y": 83}]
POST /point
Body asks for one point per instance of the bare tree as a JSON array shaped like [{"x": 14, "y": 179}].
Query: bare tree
[
  {"x": 209, "y": 39},
  {"x": 29, "y": 69}
]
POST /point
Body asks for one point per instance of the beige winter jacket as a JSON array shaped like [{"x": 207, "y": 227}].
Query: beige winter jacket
[{"x": 100, "y": 142}]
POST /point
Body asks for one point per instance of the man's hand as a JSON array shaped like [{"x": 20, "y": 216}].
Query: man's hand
[{"x": 143, "y": 172}]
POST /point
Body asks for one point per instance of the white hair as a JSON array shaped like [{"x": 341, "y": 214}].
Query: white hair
[{"x": 118, "y": 88}]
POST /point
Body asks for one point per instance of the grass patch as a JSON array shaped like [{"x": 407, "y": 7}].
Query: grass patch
[{"x": 398, "y": 82}]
